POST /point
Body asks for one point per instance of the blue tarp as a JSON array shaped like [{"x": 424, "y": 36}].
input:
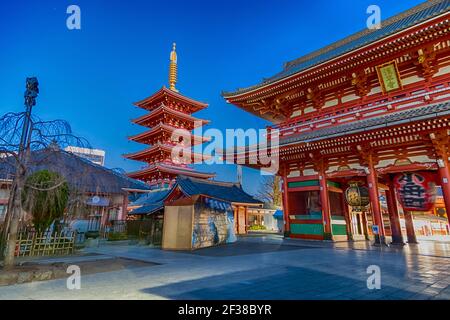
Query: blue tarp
[{"x": 278, "y": 214}]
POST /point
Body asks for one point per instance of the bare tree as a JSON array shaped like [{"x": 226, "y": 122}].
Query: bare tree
[
  {"x": 270, "y": 191},
  {"x": 21, "y": 134}
]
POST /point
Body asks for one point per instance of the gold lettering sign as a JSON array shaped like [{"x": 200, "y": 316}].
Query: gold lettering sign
[{"x": 389, "y": 77}]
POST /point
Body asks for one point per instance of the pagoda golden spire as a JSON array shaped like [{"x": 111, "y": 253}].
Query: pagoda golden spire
[{"x": 173, "y": 69}]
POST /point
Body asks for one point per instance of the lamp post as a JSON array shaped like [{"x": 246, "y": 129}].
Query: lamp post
[
  {"x": 14, "y": 205},
  {"x": 31, "y": 93}
]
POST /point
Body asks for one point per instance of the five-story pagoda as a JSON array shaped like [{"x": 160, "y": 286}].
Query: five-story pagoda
[{"x": 169, "y": 152}]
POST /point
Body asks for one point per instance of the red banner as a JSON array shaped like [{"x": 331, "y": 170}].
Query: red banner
[{"x": 416, "y": 191}]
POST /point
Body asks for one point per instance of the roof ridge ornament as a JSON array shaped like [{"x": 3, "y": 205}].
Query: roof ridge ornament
[{"x": 173, "y": 68}]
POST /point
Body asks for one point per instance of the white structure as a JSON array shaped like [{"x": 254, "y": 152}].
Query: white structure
[{"x": 96, "y": 156}]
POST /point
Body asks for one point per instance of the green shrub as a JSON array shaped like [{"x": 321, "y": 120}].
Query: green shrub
[
  {"x": 45, "y": 197},
  {"x": 257, "y": 227}
]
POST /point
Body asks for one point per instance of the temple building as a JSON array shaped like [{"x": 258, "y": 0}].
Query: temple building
[
  {"x": 169, "y": 121},
  {"x": 364, "y": 129}
]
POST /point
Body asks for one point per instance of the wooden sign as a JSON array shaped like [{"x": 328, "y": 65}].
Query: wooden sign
[{"x": 389, "y": 77}]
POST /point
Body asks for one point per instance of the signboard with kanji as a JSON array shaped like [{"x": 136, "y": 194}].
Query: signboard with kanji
[
  {"x": 416, "y": 190},
  {"x": 389, "y": 77}
]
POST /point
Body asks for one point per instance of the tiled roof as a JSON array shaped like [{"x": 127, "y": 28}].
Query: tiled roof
[
  {"x": 226, "y": 191},
  {"x": 80, "y": 173},
  {"x": 150, "y": 202},
  {"x": 420, "y": 113},
  {"x": 416, "y": 15},
  {"x": 164, "y": 92}
]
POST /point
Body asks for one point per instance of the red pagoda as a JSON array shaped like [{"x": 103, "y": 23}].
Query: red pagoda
[{"x": 169, "y": 112}]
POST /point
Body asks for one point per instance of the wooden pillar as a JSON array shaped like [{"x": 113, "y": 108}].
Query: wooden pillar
[
  {"x": 394, "y": 217},
  {"x": 124, "y": 213},
  {"x": 410, "y": 232},
  {"x": 287, "y": 225},
  {"x": 365, "y": 226},
  {"x": 372, "y": 181},
  {"x": 246, "y": 219},
  {"x": 325, "y": 201},
  {"x": 348, "y": 220},
  {"x": 236, "y": 220}
]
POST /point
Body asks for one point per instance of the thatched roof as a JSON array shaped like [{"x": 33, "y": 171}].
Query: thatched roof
[{"x": 81, "y": 174}]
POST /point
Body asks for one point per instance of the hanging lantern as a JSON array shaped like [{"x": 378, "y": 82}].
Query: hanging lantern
[
  {"x": 416, "y": 190},
  {"x": 357, "y": 196}
]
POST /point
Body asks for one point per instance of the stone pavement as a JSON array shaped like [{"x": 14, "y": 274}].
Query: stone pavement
[{"x": 261, "y": 267}]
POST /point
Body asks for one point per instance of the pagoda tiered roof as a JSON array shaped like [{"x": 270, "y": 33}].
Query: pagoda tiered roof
[
  {"x": 177, "y": 101},
  {"x": 163, "y": 169},
  {"x": 152, "y": 154},
  {"x": 169, "y": 136},
  {"x": 159, "y": 115},
  {"x": 161, "y": 132}
]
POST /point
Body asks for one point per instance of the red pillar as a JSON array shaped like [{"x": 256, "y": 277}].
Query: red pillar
[
  {"x": 409, "y": 223},
  {"x": 394, "y": 217},
  {"x": 287, "y": 225},
  {"x": 444, "y": 180},
  {"x": 325, "y": 205},
  {"x": 372, "y": 181}
]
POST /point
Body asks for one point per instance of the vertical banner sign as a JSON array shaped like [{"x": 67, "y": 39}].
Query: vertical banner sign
[{"x": 416, "y": 190}]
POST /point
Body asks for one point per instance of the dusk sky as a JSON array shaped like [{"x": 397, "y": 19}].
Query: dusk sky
[{"x": 91, "y": 77}]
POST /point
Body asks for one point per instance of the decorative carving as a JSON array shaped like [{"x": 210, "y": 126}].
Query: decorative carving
[
  {"x": 359, "y": 81},
  {"x": 440, "y": 140},
  {"x": 425, "y": 60},
  {"x": 279, "y": 106},
  {"x": 366, "y": 156},
  {"x": 319, "y": 163},
  {"x": 316, "y": 96}
]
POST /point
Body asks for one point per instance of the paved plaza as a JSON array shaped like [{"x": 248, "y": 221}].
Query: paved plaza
[{"x": 259, "y": 267}]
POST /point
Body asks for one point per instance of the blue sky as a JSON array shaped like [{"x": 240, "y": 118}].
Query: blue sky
[{"x": 91, "y": 77}]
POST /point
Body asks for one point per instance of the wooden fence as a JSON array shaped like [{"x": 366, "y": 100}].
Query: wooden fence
[
  {"x": 45, "y": 244},
  {"x": 149, "y": 231}
]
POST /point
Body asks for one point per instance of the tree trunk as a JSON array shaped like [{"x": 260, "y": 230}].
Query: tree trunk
[{"x": 13, "y": 228}]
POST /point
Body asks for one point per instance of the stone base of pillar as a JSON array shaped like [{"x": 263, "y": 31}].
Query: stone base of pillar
[
  {"x": 412, "y": 240},
  {"x": 287, "y": 234},
  {"x": 397, "y": 241},
  {"x": 327, "y": 236},
  {"x": 380, "y": 241},
  {"x": 350, "y": 237}
]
